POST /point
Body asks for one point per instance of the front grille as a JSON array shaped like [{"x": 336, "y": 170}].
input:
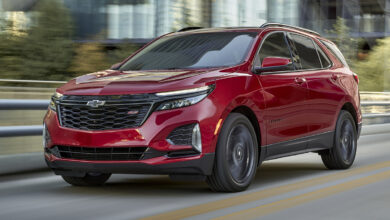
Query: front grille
[
  {"x": 100, "y": 153},
  {"x": 116, "y": 113},
  {"x": 182, "y": 135}
]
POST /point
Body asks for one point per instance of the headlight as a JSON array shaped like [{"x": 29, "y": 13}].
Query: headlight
[
  {"x": 179, "y": 103},
  {"x": 53, "y": 100},
  {"x": 183, "y": 98},
  {"x": 186, "y": 91}
]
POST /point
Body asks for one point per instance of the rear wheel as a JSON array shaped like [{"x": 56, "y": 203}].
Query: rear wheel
[
  {"x": 90, "y": 179},
  {"x": 343, "y": 152},
  {"x": 236, "y": 155}
]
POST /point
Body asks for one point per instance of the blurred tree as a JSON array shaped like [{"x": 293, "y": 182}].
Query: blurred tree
[
  {"x": 374, "y": 71},
  {"x": 371, "y": 71},
  {"x": 11, "y": 45},
  {"x": 48, "y": 46},
  {"x": 347, "y": 45},
  {"x": 122, "y": 51},
  {"x": 89, "y": 57}
]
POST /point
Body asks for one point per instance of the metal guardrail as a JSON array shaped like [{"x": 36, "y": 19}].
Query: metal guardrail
[
  {"x": 376, "y": 103},
  {"x": 34, "y": 130},
  {"x": 17, "y": 131},
  {"x": 23, "y": 104},
  {"x": 31, "y": 81},
  {"x": 375, "y": 115}
]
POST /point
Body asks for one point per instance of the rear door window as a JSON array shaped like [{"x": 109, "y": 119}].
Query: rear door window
[{"x": 305, "y": 51}]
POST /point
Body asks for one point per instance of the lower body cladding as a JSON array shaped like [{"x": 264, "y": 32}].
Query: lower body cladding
[{"x": 197, "y": 165}]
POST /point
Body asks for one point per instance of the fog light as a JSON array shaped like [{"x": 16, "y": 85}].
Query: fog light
[{"x": 196, "y": 138}]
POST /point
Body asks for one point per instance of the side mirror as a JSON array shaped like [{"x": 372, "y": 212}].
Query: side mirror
[
  {"x": 115, "y": 66},
  {"x": 271, "y": 64}
]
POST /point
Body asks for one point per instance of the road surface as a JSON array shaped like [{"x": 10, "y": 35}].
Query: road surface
[{"x": 298, "y": 187}]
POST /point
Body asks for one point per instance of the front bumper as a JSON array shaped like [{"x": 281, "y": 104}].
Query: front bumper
[{"x": 152, "y": 134}]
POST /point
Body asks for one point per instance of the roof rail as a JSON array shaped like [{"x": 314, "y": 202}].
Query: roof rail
[
  {"x": 289, "y": 26},
  {"x": 189, "y": 29}
]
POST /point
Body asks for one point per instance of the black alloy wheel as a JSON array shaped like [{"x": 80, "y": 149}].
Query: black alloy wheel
[
  {"x": 343, "y": 152},
  {"x": 236, "y": 155}
]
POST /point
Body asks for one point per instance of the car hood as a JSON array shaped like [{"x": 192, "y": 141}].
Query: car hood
[{"x": 112, "y": 82}]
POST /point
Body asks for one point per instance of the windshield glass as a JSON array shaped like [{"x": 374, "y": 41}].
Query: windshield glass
[{"x": 188, "y": 51}]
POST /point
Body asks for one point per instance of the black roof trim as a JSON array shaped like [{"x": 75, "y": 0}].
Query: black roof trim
[
  {"x": 189, "y": 29},
  {"x": 265, "y": 25}
]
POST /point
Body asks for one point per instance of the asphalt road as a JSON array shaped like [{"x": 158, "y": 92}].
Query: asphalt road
[{"x": 298, "y": 187}]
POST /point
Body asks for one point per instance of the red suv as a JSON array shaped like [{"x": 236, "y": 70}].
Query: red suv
[{"x": 207, "y": 104}]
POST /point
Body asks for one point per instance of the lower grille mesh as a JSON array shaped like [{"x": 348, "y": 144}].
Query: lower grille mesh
[{"x": 101, "y": 153}]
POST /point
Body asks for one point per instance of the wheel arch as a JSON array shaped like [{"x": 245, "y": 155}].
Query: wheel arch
[
  {"x": 349, "y": 107},
  {"x": 248, "y": 112}
]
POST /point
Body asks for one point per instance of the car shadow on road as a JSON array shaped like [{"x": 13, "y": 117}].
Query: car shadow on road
[
  {"x": 268, "y": 174},
  {"x": 276, "y": 172}
]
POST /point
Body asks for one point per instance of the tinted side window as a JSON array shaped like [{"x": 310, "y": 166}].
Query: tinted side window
[
  {"x": 274, "y": 45},
  {"x": 336, "y": 52},
  {"x": 324, "y": 59},
  {"x": 306, "y": 52}
]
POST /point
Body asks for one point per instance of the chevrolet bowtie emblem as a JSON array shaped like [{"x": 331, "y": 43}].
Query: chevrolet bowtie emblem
[{"x": 95, "y": 103}]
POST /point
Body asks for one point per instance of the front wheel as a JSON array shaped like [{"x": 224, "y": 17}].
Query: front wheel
[
  {"x": 343, "y": 152},
  {"x": 236, "y": 155},
  {"x": 90, "y": 179}
]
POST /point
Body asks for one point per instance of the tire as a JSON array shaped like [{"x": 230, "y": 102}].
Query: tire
[
  {"x": 236, "y": 156},
  {"x": 90, "y": 179},
  {"x": 343, "y": 152}
]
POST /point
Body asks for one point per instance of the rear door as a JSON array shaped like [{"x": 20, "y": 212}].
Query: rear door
[
  {"x": 321, "y": 105},
  {"x": 285, "y": 94}
]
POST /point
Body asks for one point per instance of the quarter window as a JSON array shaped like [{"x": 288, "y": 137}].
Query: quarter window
[
  {"x": 324, "y": 59},
  {"x": 307, "y": 55},
  {"x": 336, "y": 52}
]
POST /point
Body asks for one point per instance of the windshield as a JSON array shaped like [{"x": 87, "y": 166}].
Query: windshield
[{"x": 187, "y": 51}]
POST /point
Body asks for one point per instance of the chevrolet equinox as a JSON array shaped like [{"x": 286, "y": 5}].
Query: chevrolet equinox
[{"x": 207, "y": 104}]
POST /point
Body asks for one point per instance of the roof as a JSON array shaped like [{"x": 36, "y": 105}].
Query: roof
[{"x": 255, "y": 29}]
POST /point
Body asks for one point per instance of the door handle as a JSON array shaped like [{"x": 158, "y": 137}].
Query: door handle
[
  {"x": 335, "y": 76},
  {"x": 300, "y": 80}
]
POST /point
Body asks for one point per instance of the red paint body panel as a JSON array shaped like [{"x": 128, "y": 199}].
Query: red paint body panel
[{"x": 287, "y": 106}]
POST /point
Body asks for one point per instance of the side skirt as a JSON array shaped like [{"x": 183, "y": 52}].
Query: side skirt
[{"x": 298, "y": 146}]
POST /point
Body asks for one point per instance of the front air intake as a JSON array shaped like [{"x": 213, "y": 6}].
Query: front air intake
[
  {"x": 181, "y": 135},
  {"x": 187, "y": 135}
]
